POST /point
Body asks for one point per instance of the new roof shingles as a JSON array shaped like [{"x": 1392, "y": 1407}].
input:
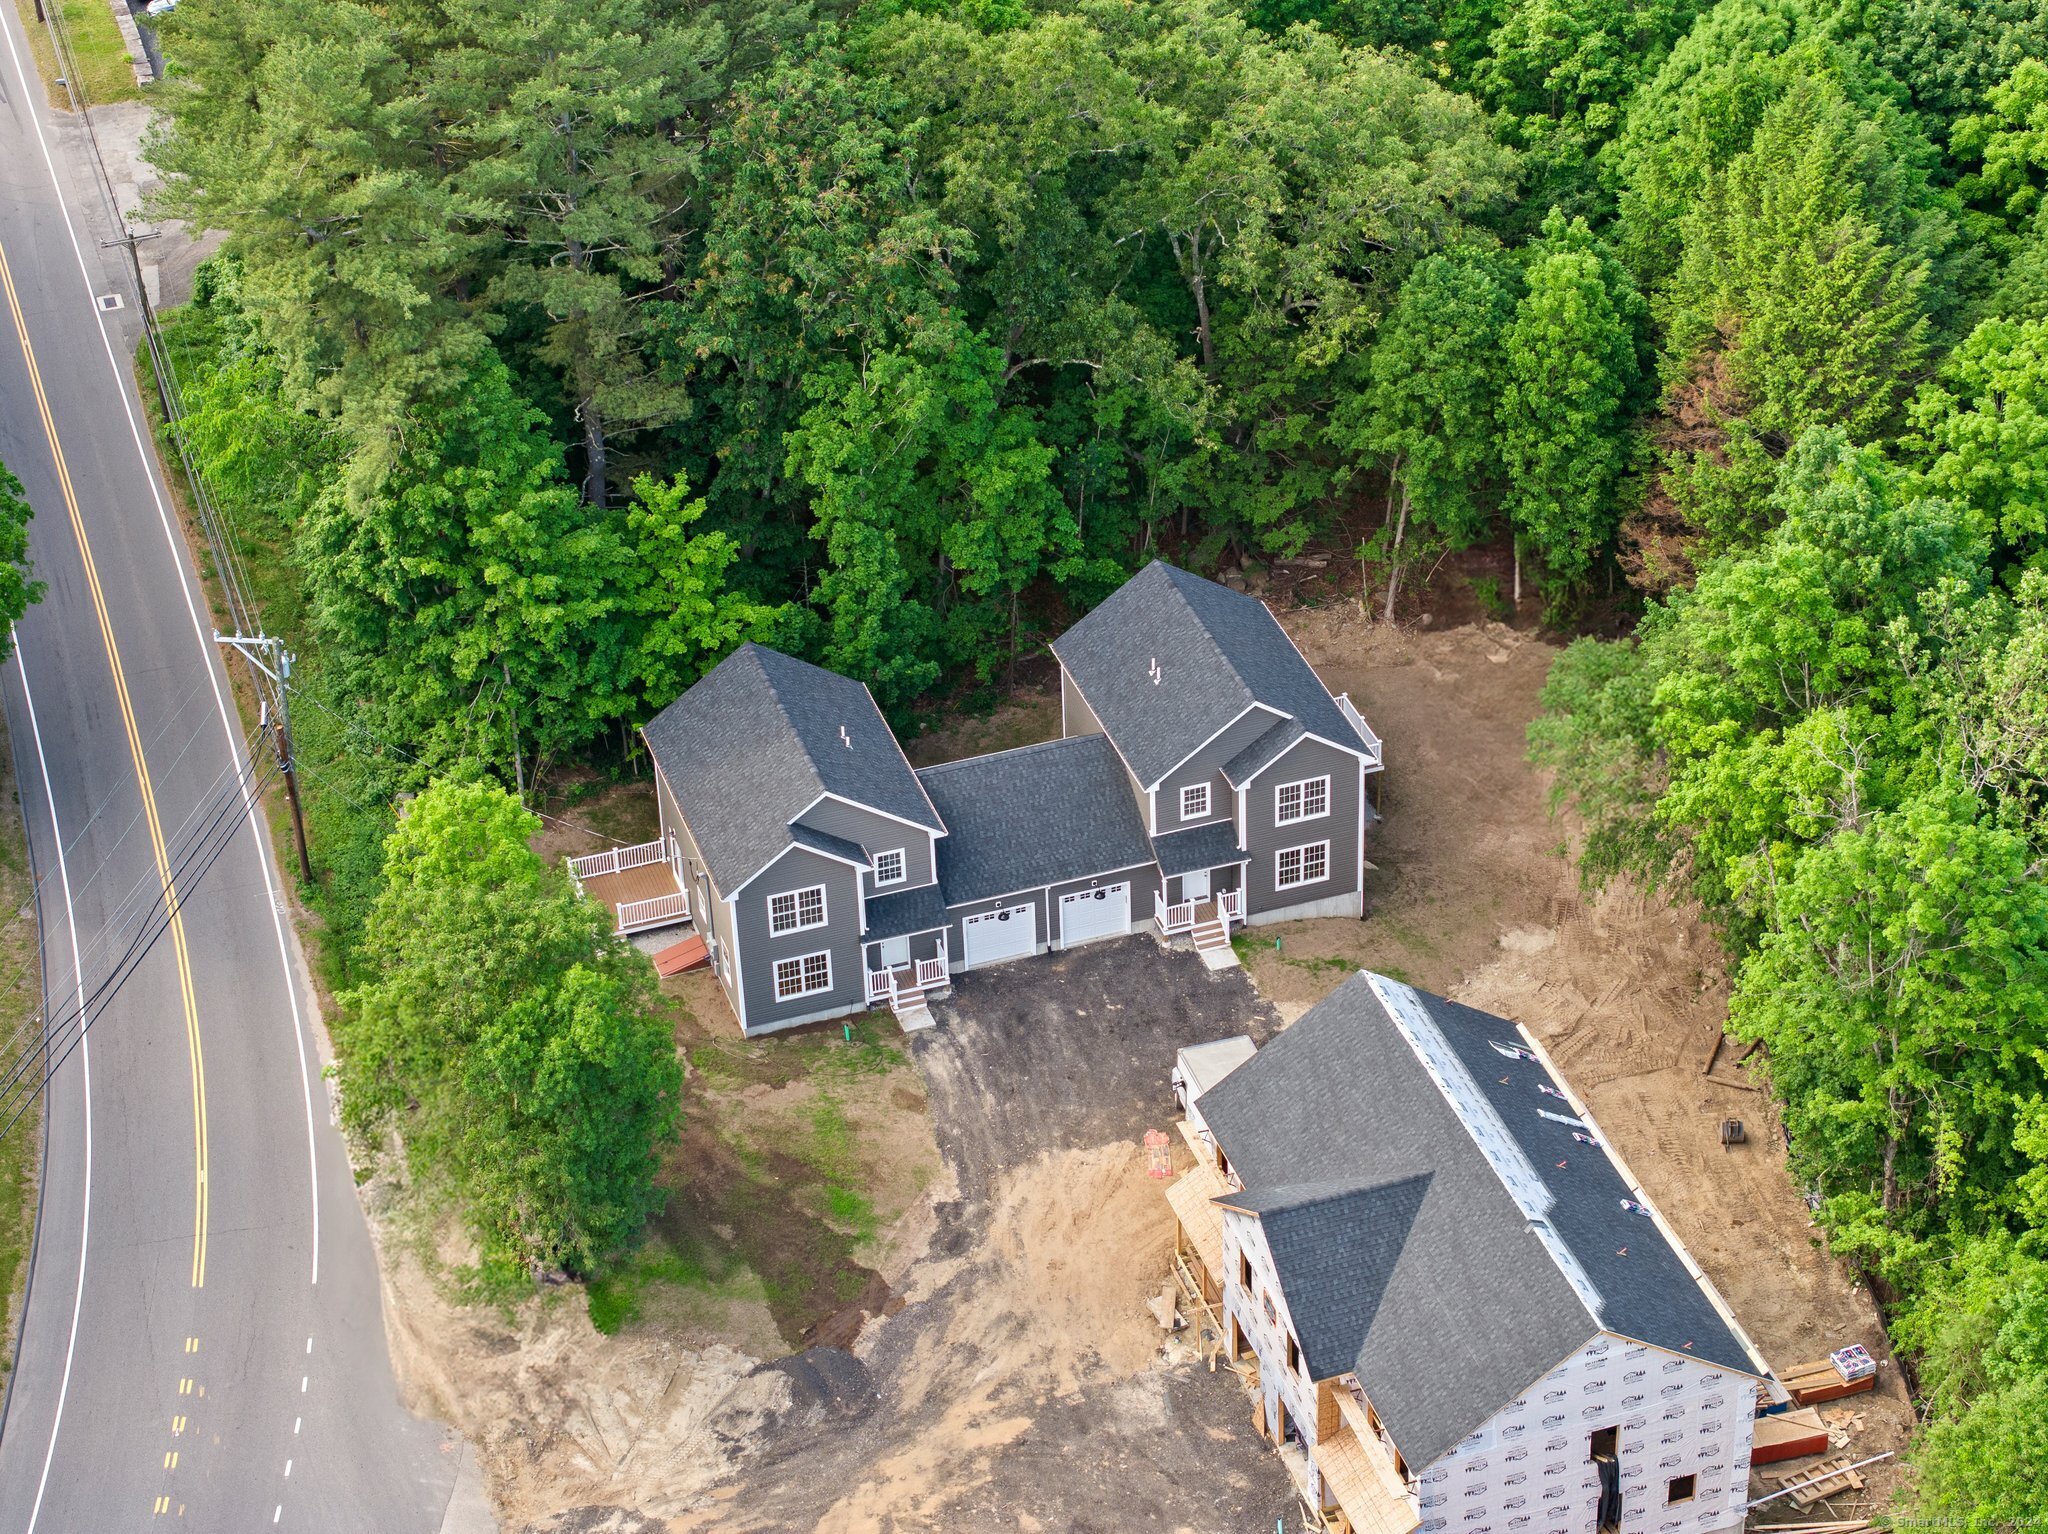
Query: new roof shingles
[
  {"x": 1401, "y": 1254},
  {"x": 756, "y": 741},
  {"x": 1217, "y": 651},
  {"x": 1035, "y": 816}
]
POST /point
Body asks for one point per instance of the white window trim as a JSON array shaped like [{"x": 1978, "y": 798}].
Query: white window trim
[
  {"x": 1194, "y": 788},
  {"x": 1282, "y": 882},
  {"x": 902, "y": 866},
  {"x": 800, "y": 925},
  {"x": 800, "y": 961},
  {"x": 1304, "y": 784}
]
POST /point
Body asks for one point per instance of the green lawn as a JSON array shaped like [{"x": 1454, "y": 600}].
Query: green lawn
[
  {"x": 105, "y": 72},
  {"x": 20, "y": 990}
]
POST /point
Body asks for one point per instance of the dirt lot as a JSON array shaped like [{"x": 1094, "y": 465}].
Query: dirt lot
[{"x": 843, "y": 1326}]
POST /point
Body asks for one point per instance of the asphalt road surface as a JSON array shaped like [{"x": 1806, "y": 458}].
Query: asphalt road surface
[{"x": 203, "y": 1346}]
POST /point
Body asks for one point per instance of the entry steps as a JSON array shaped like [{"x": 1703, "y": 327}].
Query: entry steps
[
  {"x": 1212, "y": 945},
  {"x": 912, "y": 1015}
]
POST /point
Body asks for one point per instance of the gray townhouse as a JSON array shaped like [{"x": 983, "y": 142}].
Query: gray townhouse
[{"x": 1204, "y": 779}]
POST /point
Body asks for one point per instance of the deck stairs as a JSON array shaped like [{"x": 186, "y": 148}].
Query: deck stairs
[{"x": 1212, "y": 945}]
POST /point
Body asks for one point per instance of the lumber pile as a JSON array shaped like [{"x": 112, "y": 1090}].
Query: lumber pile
[
  {"x": 1818, "y": 1381},
  {"x": 1829, "y": 1478},
  {"x": 1789, "y": 1435}
]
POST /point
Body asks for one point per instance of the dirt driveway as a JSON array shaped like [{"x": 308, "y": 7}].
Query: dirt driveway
[{"x": 1023, "y": 1386}]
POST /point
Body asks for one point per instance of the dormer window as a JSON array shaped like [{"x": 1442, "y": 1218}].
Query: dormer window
[
  {"x": 889, "y": 868},
  {"x": 1194, "y": 801}
]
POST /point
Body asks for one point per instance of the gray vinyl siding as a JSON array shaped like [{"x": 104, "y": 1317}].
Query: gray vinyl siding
[
  {"x": 799, "y": 869},
  {"x": 1143, "y": 880},
  {"x": 1305, "y": 759},
  {"x": 877, "y": 833},
  {"x": 1206, "y": 766},
  {"x": 1226, "y": 878},
  {"x": 708, "y": 913},
  {"x": 956, "y": 944},
  {"x": 1076, "y": 716},
  {"x": 923, "y": 945}
]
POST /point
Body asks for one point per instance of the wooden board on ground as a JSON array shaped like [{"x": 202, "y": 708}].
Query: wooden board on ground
[
  {"x": 1829, "y": 1478},
  {"x": 687, "y": 954},
  {"x": 1789, "y": 1435}
]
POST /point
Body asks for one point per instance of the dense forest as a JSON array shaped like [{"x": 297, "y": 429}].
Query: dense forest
[{"x": 556, "y": 348}]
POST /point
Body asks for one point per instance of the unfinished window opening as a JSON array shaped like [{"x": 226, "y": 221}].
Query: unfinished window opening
[
  {"x": 1244, "y": 1272},
  {"x": 796, "y": 910},
  {"x": 1680, "y": 1490},
  {"x": 1293, "y": 1353},
  {"x": 1602, "y": 1447},
  {"x": 1194, "y": 801}
]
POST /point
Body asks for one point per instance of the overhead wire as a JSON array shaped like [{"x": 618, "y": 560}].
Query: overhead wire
[{"x": 23, "y": 1077}]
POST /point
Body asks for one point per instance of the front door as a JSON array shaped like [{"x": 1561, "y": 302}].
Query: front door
[
  {"x": 1195, "y": 886},
  {"x": 895, "y": 952}
]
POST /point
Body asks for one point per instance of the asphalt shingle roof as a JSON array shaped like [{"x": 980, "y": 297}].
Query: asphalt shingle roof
[
  {"x": 757, "y": 740},
  {"x": 1210, "y": 846},
  {"x": 1400, "y": 1250},
  {"x": 1219, "y": 651},
  {"x": 920, "y": 910},
  {"x": 1034, "y": 816}
]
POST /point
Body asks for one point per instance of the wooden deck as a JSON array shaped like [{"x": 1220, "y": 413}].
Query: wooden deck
[{"x": 649, "y": 881}]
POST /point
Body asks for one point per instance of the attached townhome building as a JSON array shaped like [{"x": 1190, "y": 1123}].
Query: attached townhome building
[
  {"x": 1204, "y": 779},
  {"x": 1456, "y": 1310}
]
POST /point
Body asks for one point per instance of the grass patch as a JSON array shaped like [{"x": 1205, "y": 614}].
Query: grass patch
[
  {"x": 21, "y": 1151},
  {"x": 796, "y": 1153},
  {"x": 105, "y": 72}
]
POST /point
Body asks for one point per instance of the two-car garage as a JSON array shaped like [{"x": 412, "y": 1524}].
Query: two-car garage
[{"x": 1012, "y": 931}]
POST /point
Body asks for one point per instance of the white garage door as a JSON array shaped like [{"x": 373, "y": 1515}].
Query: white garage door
[
  {"x": 1104, "y": 912},
  {"x": 997, "y": 935}
]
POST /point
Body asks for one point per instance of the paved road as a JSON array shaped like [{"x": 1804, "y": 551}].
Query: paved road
[{"x": 203, "y": 1341}]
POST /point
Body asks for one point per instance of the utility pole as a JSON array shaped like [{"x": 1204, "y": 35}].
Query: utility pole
[{"x": 269, "y": 657}]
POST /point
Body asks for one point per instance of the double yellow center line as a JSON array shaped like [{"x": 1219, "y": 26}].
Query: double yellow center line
[{"x": 149, "y": 811}]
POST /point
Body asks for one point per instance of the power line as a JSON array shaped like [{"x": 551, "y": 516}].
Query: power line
[{"x": 23, "y": 1081}]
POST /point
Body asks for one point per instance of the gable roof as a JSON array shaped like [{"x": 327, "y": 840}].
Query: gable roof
[
  {"x": 1219, "y": 652},
  {"x": 1034, "y": 816},
  {"x": 757, "y": 741},
  {"x": 1433, "y": 1231}
]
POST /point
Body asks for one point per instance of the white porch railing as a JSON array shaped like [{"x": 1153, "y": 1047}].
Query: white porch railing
[
  {"x": 1178, "y": 917},
  {"x": 1357, "y": 722},
  {"x": 925, "y": 975},
  {"x": 617, "y": 860},
  {"x": 661, "y": 911},
  {"x": 1181, "y": 917}
]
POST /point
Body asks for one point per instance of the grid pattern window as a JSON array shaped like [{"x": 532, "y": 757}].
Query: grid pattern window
[
  {"x": 796, "y": 910},
  {"x": 805, "y": 976},
  {"x": 1194, "y": 801},
  {"x": 1301, "y": 865},
  {"x": 1307, "y": 800},
  {"x": 889, "y": 866}
]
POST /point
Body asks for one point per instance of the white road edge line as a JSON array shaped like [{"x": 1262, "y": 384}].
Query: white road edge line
[
  {"x": 179, "y": 556},
  {"x": 85, "y": 1066}
]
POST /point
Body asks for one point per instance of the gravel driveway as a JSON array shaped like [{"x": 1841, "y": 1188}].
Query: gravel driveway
[{"x": 984, "y": 1404}]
